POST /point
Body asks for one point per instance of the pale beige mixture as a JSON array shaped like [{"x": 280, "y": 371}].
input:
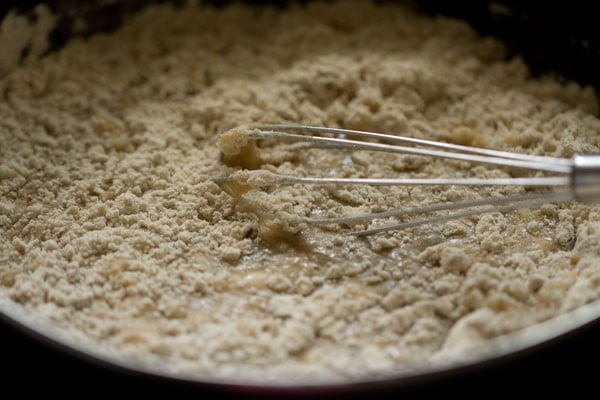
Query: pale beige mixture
[{"x": 111, "y": 225}]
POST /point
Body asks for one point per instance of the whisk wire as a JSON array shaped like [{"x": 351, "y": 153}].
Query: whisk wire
[
  {"x": 338, "y": 143},
  {"x": 312, "y": 130},
  {"x": 526, "y": 182},
  {"x": 445, "y": 206},
  {"x": 465, "y": 153},
  {"x": 549, "y": 198}
]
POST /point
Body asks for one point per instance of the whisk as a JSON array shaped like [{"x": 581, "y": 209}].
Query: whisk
[{"x": 578, "y": 177}]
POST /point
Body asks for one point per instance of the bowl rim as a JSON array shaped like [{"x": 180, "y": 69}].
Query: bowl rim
[{"x": 492, "y": 352}]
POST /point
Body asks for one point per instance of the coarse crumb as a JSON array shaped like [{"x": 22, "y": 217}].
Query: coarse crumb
[{"x": 113, "y": 224}]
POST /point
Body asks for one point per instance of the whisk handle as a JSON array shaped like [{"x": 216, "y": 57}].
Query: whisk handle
[{"x": 585, "y": 178}]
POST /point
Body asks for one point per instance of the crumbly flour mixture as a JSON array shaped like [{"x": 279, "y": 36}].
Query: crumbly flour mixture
[{"x": 112, "y": 226}]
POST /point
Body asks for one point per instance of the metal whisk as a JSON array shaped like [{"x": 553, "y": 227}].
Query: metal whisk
[{"x": 578, "y": 177}]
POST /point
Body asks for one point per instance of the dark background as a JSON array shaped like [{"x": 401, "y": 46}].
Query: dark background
[{"x": 560, "y": 36}]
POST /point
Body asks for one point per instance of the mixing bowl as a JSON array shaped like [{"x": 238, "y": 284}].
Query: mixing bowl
[{"x": 554, "y": 38}]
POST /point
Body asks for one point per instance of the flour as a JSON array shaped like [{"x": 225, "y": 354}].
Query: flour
[
  {"x": 21, "y": 38},
  {"x": 112, "y": 223}
]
